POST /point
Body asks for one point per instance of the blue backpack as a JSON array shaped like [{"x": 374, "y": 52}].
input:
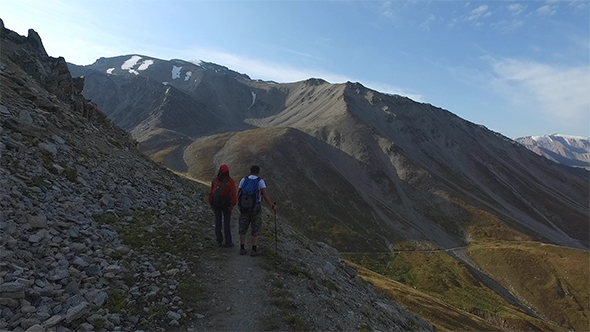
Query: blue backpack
[{"x": 248, "y": 196}]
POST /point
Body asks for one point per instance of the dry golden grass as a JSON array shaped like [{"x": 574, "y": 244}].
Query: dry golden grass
[
  {"x": 161, "y": 155},
  {"x": 487, "y": 227},
  {"x": 553, "y": 280},
  {"x": 438, "y": 276},
  {"x": 440, "y": 314}
]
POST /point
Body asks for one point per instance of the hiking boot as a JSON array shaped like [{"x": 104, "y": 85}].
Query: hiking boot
[
  {"x": 255, "y": 253},
  {"x": 243, "y": 251},
  {"x": 230, "y": 245},
  {"x": 219, "y": 243}
]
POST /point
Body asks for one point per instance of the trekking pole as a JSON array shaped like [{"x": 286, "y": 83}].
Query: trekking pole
[{"x": 276, "y": 246}]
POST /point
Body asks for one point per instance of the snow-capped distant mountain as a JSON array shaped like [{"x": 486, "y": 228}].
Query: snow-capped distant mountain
[{"x": 564, "y": 149}]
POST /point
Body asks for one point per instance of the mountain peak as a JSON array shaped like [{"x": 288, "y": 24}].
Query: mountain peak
[
  {"x": 217, "y": 68},
  {"x": 34, "y": 39},
  {"x": 315, "y": 81}
]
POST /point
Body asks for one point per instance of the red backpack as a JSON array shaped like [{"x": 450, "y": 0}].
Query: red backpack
[{"x": 220, "y": 197}]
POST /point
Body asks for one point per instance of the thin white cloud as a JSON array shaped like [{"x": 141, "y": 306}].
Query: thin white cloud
[
  {"x": 452, "y": 22},
  {"x": 477, "y": 13},
  {"x": 580, "y": 6},
  {"x": 284, "y": 73},
  {"x": 387, "y": 9},
  {"x": 426, "y": 24},
  {"x": 516, "y": 8},
  {"x": 506, "y": 26},
  {"x": 580, "y": 41},
  {"x": 260, "y": 69},
  {"x": 386, "y": 88},
  {"x": 560, "y": 94},
  {"x": 301, "y": 54},
  {"x": 547, "y": 10}
]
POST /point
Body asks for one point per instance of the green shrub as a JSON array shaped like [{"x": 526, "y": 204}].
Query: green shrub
[
  {"x": 296, "y": 321},
  {"x": 116, "y": 301},
  {"x": 105, "y": 218},
  {"x": 71, "y": 174}
]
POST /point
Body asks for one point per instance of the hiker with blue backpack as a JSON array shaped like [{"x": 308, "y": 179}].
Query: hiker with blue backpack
[
  {"x": 222, "y": 198},
  {"x": 251, "y": 191}
]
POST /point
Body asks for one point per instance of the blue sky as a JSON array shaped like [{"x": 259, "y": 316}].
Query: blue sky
[{"x": 517, "y": 67}]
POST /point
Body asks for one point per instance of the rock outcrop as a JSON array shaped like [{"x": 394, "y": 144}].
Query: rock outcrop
[{"x": 67, "y": 175}]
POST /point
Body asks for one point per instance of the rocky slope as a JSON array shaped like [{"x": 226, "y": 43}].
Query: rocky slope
[
  {"x": 571, "y": 151},
  {"x": 94, "y": 236}
]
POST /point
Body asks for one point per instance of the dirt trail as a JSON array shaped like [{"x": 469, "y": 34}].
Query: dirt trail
[
  {"x": 406, "y": 251},
  {"x": 240, "y": 292}
]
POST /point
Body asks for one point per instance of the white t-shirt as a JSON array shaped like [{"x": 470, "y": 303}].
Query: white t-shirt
[{"x": 261, "y": 185}]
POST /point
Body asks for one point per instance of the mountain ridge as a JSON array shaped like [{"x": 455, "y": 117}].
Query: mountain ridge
[{"x": 568, "y": 150}]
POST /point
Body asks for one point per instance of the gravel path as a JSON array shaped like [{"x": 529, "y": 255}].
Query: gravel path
[{"x": 240, "y": 291}]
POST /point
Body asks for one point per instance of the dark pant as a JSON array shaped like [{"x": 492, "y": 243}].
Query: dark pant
[{"x": 226, "y": 224}]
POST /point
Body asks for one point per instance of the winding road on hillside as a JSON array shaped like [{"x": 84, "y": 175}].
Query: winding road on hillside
[{"x": 405, "y": 251}]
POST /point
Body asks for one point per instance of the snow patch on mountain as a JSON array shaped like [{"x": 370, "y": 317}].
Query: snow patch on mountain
[
  {"x": 110, "y": 71},
  {"x": 188, "y": 75},
  {"x": 130, "y": 63},
  {"x": 145, "y": 64},
  {"x": 549, "y": 138},
  {"x": 253, "y": 99},
  {"x": 176, "y": 72},
  {"x": 196, "y": 62},
  {"x": 544, "y": 139}
]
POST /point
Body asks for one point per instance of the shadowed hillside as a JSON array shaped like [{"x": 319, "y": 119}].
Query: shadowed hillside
[{"x": 316, "y": 192}]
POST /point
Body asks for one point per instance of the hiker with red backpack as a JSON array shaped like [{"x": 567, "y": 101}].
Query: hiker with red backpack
[
  {"x": 222, "y": 198},
  {"x": 251, "y": 191}
]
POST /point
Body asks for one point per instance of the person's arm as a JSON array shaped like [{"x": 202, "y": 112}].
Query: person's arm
[
  {"x": 233, "y": 193},
  {"x": 211, "y": 192},
  {"x": 267, "y": 198}
]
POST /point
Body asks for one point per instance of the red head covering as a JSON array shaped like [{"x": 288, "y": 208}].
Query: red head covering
[{"x": 223, "y": 168}]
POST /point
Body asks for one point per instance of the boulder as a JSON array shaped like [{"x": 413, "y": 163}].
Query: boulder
[
  {"x": 12, "y": 290},
  {"x": 77, "y": 311}
]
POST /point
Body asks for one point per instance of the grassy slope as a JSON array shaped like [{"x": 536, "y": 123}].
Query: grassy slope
[
  {"x": 440, "y": 314},
  {"x": 554, "y": 280},
  {"x": 445, "y": 283}
]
